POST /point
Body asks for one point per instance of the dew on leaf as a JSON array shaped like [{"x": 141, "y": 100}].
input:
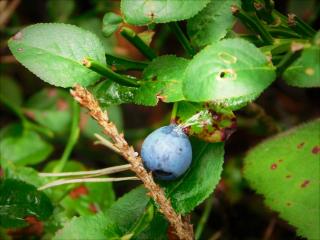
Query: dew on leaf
[
  {"x": 316, "y": 149},
  {"x": 305, "y": 183},
  {"x": 20, "y": 49},
  {"x": 273, "y": 166}
]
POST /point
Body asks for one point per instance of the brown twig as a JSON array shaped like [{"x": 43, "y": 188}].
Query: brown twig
[{"x": 184, "y": 230}]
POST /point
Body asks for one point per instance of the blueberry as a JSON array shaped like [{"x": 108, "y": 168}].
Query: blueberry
[{"x": 167, "y": 152}]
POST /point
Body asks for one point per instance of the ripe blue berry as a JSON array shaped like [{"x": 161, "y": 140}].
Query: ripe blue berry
[{"x": 167, "y": 152}]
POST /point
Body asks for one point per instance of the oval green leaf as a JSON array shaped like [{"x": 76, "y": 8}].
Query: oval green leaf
[
  {"x": 200, "y": 180},
  {"x": 54, "y": 51},
  {"x": 305, "y": 71},
  {"x": 212, "y": 23},
  {"x": 19, "y": 200},
  {"x": 141, "y": 12},
  {"x": 285, "y": 169},
  {"x": 231, "y": 73}
]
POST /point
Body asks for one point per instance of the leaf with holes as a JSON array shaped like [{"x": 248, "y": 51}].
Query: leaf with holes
[
  {"x": 200, "y": 180},
  {"x": 141, "y": 12},
  {"x": 231, "y": 73},
  {"x": 19, "y": 200},
  {"x": 22, "y": 147},
  {"x": 53, "y": 51},
  {"x": 110, "y": 223},
  {"x": 285, "y": 169},
  {"x": 163, "y": 80},
  {"x": 208, "y": 123},
  {"x": 305, "y": 71},
  {"x": 212, "y": 23}
]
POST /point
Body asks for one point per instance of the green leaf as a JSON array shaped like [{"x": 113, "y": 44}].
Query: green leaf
[
  {"x": 285, "y": 169},
  {"x": 110, "y": 93},
  {"x": 114, "y": 223},
  {"x": 163, "y": 80},
  {"x": 212, "y": 23},
  {"x": 231, "y": 73},
  {"x": 141, "y": 12},
  {"x": 54, "y": 51},
  {"x": 22, "y": 147},
  {"x": 205, "y": 122},
  {"x": 110, "y": 23},
  {"x": 88, "y": 199},
  {"x": 51, "y": 107},
  {"x": 19, "y": 200},
  {"x": 60, "y": 10},
  {"x": 305, "y": 71},
  {"x": 200, "y": 180},
  {"x": 93, "y": 25},
  {"x": 10, "y": 90}
]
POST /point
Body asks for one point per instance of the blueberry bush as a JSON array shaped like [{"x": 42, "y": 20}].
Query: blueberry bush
[{"x": 219, "y": 97}]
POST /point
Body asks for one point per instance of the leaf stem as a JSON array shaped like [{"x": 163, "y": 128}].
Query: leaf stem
[
  {"x": 107, "y": 72},
  {"x": 204, "y": 218},
  {"x": 253, "y": 23},
  {"x": 174, "y": 112},
  {"x": 136, "y": 41},
  {"x": 175, "y": 28},
  {"x": 125, "y": 64},
  {"x": 300, "y": 26},
  {"x": 288, "y": 59},
  {"x": 73, "y": 137}
]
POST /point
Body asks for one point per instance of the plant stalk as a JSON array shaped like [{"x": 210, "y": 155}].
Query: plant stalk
[
  {"x": 107, "y": 72},
  {"x": 287, "y": 60},
  {"x": 204, "y": 218},
  {"x": 125, "y": 64},
  {"x": 136, "y": 41},
  {"x": 175, "y": 28},
  {"x": 73, "y": 138},
  {"x": 253, "y": 23}
]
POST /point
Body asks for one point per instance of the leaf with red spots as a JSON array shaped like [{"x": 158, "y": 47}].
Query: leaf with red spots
[
  {"x": 205, "y": 122},
  {"x": 285, "y": 169}
]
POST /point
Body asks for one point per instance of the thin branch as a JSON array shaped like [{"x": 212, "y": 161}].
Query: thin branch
[
  {"x": 106, "y": 143},
  {"x": 82, "y": 180},
  {"x": 184, "y": 230},
  {"x": 103, "y": 171},
  {"x": 204, "y": 218},
  {"x": 7, "y": 13},
  {"x": 136, "y": 41},
  {"x": 118, "y": 63}
]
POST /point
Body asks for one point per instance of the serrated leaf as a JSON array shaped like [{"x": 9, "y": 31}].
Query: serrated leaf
[
  {"x": 22, "y": 147},
  {"x": 141, "y": 12},
  {"x": 162, "y": 80},
  {"x": 110, "y": 23},
  {"x": 208, "y": 123},
  {"x": 200, "y": 180},
  {"x": 231, "y": 72},
  {"x": 305, "y": 71},
  {"x": 10, "y": 90},
  {"x": 113, "y": 223},
  {"x": 212, "y": 23},
  {"x": 19, "y": 200},
  {"x": 285, "y": 169},
  {"x": 53, "y": 51}
]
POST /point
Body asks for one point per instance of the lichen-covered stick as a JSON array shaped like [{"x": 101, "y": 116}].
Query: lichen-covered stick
[{"x": 183, "y": 230}]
